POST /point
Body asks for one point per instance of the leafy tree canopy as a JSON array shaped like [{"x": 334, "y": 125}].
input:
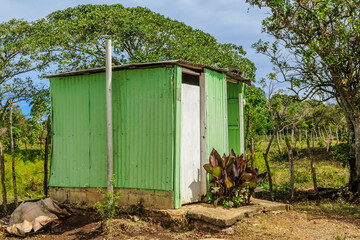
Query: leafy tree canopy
[
  {"x": 77, "y": 37},
  {"x": 323, "y": 39}
]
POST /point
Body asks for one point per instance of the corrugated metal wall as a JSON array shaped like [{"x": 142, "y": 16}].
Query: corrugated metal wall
[
  {"x": 233, "y": 91},
  {"x": 216, "y": 117},
  {"x": 79, "y": 131},
  {"x": 143, "y": 128}
]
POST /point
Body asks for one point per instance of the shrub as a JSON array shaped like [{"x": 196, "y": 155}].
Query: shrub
[
  {"x": 233, "y": 180},
  {"x": 107, "y": 208},
  {"x": 340, "y": 153}
]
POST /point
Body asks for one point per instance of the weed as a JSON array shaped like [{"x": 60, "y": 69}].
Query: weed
[{"x": 107, "y": 209}]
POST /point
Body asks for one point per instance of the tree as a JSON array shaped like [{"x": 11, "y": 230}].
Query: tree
[
  {"x": 19, "y": 54},
  {"x": 76, "y": 36},
  {"x": 323, "y": 42}
]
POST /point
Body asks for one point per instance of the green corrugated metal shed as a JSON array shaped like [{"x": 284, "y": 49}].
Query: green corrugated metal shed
[{"x": 146, "y": 100}]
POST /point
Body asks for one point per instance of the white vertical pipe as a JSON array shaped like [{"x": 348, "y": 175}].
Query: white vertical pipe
[{"x": 110, "y": 186}]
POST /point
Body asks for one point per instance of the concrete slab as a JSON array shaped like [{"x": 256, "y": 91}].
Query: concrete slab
[{"x": 224, "y": 218}]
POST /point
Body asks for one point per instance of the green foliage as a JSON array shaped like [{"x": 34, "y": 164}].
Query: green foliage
[
  {"x": 317, "y": 54},
  {"x": 231, "y": 177},
  {"x": 107, "y": 208},
  {"x": 29, "y": 173},
  {"x": 234, "y": 202},
  {"x": 255, "y": 111},
  {"x": 341, "y": 153},
  {"x": 137, "y": 34}
]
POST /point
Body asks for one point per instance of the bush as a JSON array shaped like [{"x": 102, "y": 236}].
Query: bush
[
  {"x": 341, "y": 153},
  {"x": 233, "y": 180}
]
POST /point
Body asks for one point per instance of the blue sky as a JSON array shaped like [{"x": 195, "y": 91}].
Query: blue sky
[{"x": 229, "y": 21}]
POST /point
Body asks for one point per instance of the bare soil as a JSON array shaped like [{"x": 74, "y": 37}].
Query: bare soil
[{"x": 296, "y": 224}]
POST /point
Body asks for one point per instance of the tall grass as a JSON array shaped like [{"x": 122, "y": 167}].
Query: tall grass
[
  {"x": 29, "y": 165},
  {"x": 331, "y": 171}
]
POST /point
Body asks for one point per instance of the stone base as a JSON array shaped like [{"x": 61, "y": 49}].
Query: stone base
[{"x": 89, "y": 196}]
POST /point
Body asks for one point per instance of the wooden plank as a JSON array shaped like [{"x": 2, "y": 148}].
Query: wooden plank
[
  {"x": 189, "y": 71},
  {"x": 203, "y": 150}
]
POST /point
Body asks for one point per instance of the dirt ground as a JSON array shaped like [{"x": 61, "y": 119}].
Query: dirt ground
[{"x": 295, "y": 224}]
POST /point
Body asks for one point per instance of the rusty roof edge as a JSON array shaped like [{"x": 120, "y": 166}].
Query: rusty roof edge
[{"x": 191, "y": 65}]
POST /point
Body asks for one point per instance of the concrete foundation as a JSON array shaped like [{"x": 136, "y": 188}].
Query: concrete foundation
[
  {"x": 89, "y": 196},
  {"x": 208, "y": 217}
]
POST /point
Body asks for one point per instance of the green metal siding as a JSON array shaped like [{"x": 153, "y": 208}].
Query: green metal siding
[
  {"x": 143, "y": 131},
  {"x": 79, "y": 131},
  {"x": 177, "y": 79},
  {"x": 233, "y": 91},
  {"x": 216, "y": 117}
]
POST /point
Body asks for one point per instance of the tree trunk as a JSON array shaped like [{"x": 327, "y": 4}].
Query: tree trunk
[
  {"x": 323, "y": 135},
  {"x": 278, "y": 142},
  {"x": 337, "y": 136},
  {"x": 291, "y": 166},
  {"x": 247, "y": 131},
  {"x": 292, "y": 134},
  {"x": 12, "y": 153},
  {"x": 267, "y": 162},
  {"x": 46, "y": 161},
  {"x": 312, "y": 166},
  {"x": 2, "y": 166},
  {"x": 331, "y": 136},
  {"x": 252, "y": 153},
  {"x": 356, "y": 180}
]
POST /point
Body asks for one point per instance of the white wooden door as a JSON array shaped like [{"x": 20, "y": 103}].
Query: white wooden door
[{"x": 191, "y": 169}]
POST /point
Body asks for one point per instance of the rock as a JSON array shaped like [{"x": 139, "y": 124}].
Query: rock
[
  {"x": 229, "y": 231},
  {"x": 135, "y": 218}
]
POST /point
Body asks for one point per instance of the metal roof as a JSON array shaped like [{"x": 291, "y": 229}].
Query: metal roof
[{"x": 197, "y": 67}]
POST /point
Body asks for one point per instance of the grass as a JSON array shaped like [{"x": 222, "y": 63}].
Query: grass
[
  {"x": 331, "y": 208},
  {"x": 29, "y": 166},
  {"x": 330, "y": 172}
]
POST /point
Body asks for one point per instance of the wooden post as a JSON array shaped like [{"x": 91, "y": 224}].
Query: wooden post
[
  {"x": 2, "y": 166},
  {"x": 12, "y": 153},
  {"x": 291, "y": 166},
  {"x": 46, "y": 158},
  {"x": 312, "y": 167}
]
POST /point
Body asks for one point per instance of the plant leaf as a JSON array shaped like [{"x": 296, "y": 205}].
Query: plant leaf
[
  {"x": 216, "y": 172},
  {"x": 208, "y": 168},
  {"x": 253, "y": 183},
  {"x": 260, "y": 177},
  {"x": 228, "y": 183},
  {"x": 246, "y": 176}
]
